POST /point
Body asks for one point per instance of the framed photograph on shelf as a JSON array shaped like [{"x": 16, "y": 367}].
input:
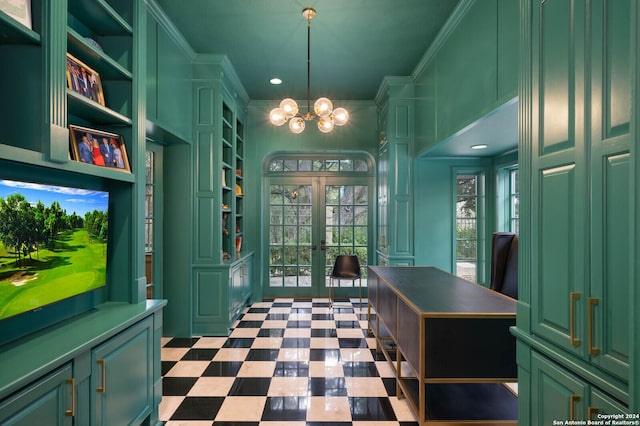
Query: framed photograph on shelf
[
  {"x": 83, "y": 80},
  {"x": 20, "y": 10},
  {"x": 99, "y": 148}
]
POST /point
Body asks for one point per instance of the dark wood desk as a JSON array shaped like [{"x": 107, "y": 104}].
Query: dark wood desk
[{"x": 449, "y": 342}]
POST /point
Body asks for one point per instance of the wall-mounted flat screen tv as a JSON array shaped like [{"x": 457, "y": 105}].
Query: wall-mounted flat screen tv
[{"x": 53, "y": 244}]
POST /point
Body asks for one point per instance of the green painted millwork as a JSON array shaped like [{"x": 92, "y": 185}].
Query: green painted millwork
[
  {"x": 577, "y": 150},
  {"x": 395, "y": 178},
  {"x": 453, "y": 93}
]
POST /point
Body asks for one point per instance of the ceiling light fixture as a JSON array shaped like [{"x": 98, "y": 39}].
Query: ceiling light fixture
[
  {"x": 275, "y": 80},
  {"x": 322, "y": 108},
  {"x": 480, "y": 146}
]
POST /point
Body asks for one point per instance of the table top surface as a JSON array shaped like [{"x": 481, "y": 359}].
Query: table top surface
[{"x": 432, "y": 292}]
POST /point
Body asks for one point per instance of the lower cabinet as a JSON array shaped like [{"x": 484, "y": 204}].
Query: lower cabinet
[
  {"x": 122, "y": 377},
  {"x": 220, "y": 293},
  {"x": 559, "y": 394},
  {"x": 102, "y": 370},
  {"x": 48, "y": 401}
]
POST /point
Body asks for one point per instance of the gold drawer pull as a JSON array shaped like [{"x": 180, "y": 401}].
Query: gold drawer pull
[
  {"x": 572, "y": 402},
  {"x": 591, "y": 412},
  {"x": 593, "y": 350},
  {"x": 103, "y": 388},
  {"x": 72, "y": 411},
  {"x": 573, "y": 296}
]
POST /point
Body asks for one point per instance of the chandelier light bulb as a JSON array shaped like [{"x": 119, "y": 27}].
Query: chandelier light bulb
[
  {"x": 296, "y": 125},
  {"x": 325, "y": 124},
  {"x": 277, "y": 117},
  {"x": 323, "y": 107},
  {"x": 289, "y": 106},
  {"x": 340, "y": 116}
]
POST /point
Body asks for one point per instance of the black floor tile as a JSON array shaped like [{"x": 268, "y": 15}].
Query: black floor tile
[
  {"x": 199, "y": 355},
  {"x": 250, "y": 386},
  {"x": 241, "y": 342},
  {"x": 249, "y": 324},
  {"x": 290, "y": 408},
  {"x": 371, "y": 409},
  {"x": 321, "y": 386},
  {"x": 166, "y": 366},
  {"x": 321, "y": 317},
  {"x": 324, "y": 332},
  {"x": 347, "y": 324},
  {"x": 181, "y": 342},
  {"x": 297, "y": 342},
  {"x": 177, "y": 386},
  {"x": 222, "y": 369},
  {"x": 263, "y": 355},
  {"x": 301, "y": 310},
  {"x": 277, "y": 317},
  {"x": 281, "y": 304},
  {"x": 198, "y": 408},
  {"x": 324, "y": 355},
  {"x": 258, "y": 310},
  {"x": 353, "y": 343},
  {"x": 390, "y": 385},
  {"x": 360, "y": 369},
  {"x": 271, "y": 332},
  {"x": 291, "y": 369},
  {"x": 298, "y": 324}
]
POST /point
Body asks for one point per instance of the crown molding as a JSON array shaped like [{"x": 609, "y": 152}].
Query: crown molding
[
  {"x": 452, "y": 23},
  {"x": 159, "y": 15}
]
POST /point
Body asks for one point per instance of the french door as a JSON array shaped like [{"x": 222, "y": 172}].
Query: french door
[{"x": 310, "y": 220}]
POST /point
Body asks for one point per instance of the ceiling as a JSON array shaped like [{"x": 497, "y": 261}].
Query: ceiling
[{"x": 354, "y": 43}]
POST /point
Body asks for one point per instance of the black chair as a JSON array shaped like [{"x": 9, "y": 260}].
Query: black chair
[
  {"x": 346, "y": 267},
  {"x": 504, "y": 263}
]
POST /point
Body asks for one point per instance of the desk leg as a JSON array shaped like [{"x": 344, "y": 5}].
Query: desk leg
[{"x": 399, "y": 374}]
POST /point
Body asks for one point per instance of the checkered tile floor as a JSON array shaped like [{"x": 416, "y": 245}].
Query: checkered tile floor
[{"x": 287, "y": 363}]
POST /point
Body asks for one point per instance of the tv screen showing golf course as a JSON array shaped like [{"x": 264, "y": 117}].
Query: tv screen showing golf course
[{"x": 53, "y": 244}]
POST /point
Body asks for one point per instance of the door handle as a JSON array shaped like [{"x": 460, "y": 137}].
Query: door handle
[
  {"x": 314, "y": 247},
  {"x": 323, "y": 245},
  {"x": 573, "y": 296}
]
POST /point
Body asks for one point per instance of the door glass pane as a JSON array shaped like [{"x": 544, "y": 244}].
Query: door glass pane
[
  {"x": 290, "y": 216},
  {"x": 342, "y": 233}
]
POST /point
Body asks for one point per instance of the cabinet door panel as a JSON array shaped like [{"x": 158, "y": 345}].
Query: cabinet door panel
[
  {"x": 43, "y": 403},
  {"x": 557, "y": 394},
  {"x": 122, "y": 376},
  {"x": 611, "y": 191},
  {"x": 602, "y": 404}
]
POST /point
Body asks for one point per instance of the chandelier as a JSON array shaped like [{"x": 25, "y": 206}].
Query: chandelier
[{"x": 322, "y": 108}]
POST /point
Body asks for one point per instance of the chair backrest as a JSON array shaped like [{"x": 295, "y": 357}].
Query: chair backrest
[
  {"x": 346, "y": 266},
  {"x": 504, "y": 263}
]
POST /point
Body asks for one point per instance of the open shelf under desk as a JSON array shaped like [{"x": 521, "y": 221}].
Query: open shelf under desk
[{"x": 462, "y": 403}]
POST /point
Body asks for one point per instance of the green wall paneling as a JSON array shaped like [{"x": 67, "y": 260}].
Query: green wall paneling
[
  {"x": 395, "y": 99},
  {"x": 469, "y": 71},
  {"x": 577, "y": 152},
  {"x": 169, "y": 75}
]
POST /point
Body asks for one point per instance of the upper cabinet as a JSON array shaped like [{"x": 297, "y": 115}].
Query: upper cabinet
[
  {"x": 395, "y": 171},
  {"x": 577, "y": 148}
]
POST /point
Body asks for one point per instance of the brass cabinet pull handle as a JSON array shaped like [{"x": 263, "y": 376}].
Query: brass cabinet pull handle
[
  {"x": 591, "y": 411},
  {"x": 572, "y": 402},
  {"x": 72, "y": 411},
  {"x": 103, "y": 388},
  {"x": 573, "y": 296},
  {"x": 593, "y": 350}
]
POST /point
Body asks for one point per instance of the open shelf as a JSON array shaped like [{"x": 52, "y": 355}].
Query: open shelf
[
  {"x": 95, "y": 58},
  {"x": 13, "y": 32},
  {"x": 81, "y": 106}
]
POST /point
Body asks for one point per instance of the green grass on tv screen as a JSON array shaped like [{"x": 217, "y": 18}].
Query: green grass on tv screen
[{"x": 74, "y": 264}]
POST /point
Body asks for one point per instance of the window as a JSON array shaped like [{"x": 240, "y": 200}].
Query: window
[
  {"x": 469, "y": 224},
  {"x": 279, "y": 165},
  {"x": 514, "y": 212}
]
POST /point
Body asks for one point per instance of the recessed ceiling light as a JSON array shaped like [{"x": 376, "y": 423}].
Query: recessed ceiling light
[
  {"x": 480, "y": 146},
  {"x": 275, "y": 80}
]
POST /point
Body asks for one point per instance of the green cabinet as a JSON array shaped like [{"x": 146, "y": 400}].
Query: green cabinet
[
  {"x": 559, "y": 394},
  {"x": 206, "y": 242},
  {"x": 122, "y": 377},
  {"x": 395, "y": 172},
  {"x": 577, "y": 150},
  {"x": 100, "y": 369},
  {"x": 47, "y": 402}
]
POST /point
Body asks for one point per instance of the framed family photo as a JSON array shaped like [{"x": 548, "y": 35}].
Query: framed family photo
[
  {"x": 83, "y": 80},
  {"x": 99, "y": 148},
  {"x": 20, "y": 10}
]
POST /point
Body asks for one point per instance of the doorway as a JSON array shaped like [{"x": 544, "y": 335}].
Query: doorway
[{"x": 310, "y": 219}]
